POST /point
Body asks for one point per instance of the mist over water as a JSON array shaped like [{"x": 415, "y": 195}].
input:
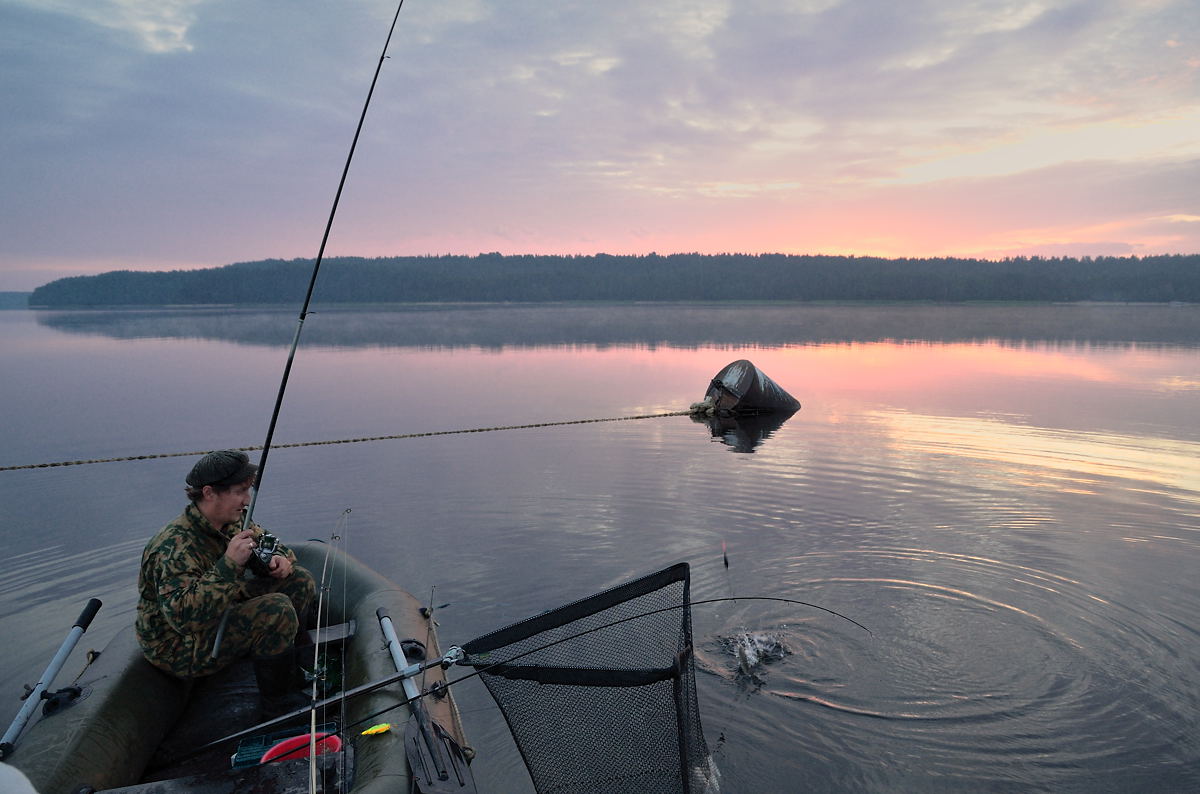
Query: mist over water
[{"x": 1008, "y": 498}]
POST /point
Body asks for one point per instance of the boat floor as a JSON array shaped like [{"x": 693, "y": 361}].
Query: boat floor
[
  {"x": 286, "y": 777},
  {"x": 221, "y": 705}
]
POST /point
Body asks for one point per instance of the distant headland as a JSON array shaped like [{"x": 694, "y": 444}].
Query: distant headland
[{"x": 651, "y": 277}]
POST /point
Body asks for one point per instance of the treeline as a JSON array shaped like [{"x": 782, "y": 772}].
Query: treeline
[{"x": 677, "y": 277}]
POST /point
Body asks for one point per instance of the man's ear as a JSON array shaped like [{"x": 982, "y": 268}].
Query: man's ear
[{"x": 207, "y": 492}]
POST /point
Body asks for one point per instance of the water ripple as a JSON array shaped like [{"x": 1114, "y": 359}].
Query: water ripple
[{"x": 990, "y": 672}]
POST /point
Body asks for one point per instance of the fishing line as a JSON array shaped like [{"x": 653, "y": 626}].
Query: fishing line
[
  {"x": 371, "y": 686},
  {"x": 321, "y": 672},
  {"x": 481, "y": 671},
  {"x": 317, "y": 672},
  {"x": 657, "y": 612},
  {"x": 744, "y": 642},
  {"x": 345, "y": 639},
  {"x": 312, "y": 281},
  {"x": 429, "y": 624}
]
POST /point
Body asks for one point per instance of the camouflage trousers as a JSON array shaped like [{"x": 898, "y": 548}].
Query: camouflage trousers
[{"x": 264, "y": 624}]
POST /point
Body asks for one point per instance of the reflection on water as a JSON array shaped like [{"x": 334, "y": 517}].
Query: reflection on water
[
  {"x": 677, "y": 325},
  {"x": 1016, "y": 522},
  {"x": 744, "y": 433},
  {"x": 1078, "y": 462}
]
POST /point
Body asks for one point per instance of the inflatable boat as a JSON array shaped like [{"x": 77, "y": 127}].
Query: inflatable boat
[{"x": 125, "y": 725}]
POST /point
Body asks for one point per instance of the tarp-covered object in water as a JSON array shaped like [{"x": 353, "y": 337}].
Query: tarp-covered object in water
[
  {"x": 610, "y": 710},
  {"x": 742, "y": 388}
]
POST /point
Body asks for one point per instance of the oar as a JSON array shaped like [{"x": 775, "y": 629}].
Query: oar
[
  {"x": 427, "y": 745},
  {"x": 7, "y": 744}
]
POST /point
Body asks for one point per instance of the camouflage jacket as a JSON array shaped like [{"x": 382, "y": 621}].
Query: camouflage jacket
[{"x": 185, "y": 584}]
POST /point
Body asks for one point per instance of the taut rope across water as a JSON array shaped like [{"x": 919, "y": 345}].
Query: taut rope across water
[{"x": 394, "y": 437}]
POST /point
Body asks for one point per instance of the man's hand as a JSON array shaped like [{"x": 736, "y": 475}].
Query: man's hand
[
  {"x": 240, "y": 547},
  {"x": 280, "y": 567}
]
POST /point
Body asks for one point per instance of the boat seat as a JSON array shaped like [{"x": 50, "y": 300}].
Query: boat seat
[{"x": 342, "y": 631}]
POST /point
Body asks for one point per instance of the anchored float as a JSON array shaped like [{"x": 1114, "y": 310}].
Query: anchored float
[{"x": 743, "y": 406}]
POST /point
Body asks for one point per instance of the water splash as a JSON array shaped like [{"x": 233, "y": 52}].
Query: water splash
[{"x": 752, "y": 652}]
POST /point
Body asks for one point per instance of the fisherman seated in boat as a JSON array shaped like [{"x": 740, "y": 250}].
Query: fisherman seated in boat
[{"x": 199, "y": 610}]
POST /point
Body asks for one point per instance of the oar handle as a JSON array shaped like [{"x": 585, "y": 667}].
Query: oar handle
[
  {"x": 89, "y": 612},
  {"x": 35, "y": 696}
]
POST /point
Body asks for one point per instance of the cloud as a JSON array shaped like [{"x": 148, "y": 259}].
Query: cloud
[
  {"x": 157, "y": 26},
  {"x": 208, "y": 131}
]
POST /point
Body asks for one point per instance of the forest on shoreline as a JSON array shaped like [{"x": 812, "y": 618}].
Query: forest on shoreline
[{"x": 496, "y": 278}]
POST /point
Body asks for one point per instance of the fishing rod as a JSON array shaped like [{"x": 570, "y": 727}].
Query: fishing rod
[
  {"x": 318, "y": 672},
  {"x": 9, "y": 738},
  {"x": 312, "y": 281},
  {"x": 456, "y": 655}
]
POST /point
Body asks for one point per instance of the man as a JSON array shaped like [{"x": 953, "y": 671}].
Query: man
[{"x": 193, "y": 586}]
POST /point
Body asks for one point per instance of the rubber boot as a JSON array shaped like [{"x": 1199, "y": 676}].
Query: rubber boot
[{"x": 276, "y": 676}]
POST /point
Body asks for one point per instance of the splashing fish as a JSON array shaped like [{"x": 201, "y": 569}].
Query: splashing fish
[{"x": 755, "y": 650}]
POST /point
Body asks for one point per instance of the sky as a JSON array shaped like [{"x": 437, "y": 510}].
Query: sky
[{"x": 168, "y": 134}]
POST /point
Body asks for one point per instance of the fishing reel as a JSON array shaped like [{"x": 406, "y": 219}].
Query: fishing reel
[{"x": 266, "y": 547}]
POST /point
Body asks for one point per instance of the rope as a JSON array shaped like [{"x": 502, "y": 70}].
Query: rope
[{"x": 427, "y": 434}]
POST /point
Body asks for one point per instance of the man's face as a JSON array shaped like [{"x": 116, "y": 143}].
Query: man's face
[{"x": 225, "y": 507}]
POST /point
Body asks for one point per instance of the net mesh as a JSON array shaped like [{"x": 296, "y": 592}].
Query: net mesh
[{"x": 600, "y": 694}]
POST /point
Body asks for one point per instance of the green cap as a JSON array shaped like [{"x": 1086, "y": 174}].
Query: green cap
[{"x": 223, "y": 467}]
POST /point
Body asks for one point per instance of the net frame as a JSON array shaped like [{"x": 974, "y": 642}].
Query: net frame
[{"x": 600, "y": 694}]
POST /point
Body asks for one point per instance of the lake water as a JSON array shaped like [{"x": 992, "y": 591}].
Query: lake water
[{"x": 1007, "y": 497}]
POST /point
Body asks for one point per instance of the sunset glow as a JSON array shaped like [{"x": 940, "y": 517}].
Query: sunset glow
[{"x": 150, "y": 135}]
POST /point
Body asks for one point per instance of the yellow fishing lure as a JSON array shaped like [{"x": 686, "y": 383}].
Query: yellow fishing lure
[{"x": 382, "y": 727}]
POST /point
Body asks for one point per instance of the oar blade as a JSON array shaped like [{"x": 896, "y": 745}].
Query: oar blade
[{"x": 435, "y": 761}]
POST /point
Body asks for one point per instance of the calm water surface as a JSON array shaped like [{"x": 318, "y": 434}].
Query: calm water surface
[{"x": 1008, "y": 498}]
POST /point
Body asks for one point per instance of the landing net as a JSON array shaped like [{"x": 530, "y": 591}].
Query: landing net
[{"x": 613, "y": 710}]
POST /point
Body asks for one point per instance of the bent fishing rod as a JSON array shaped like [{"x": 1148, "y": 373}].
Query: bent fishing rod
[
  {"x": 455, "y": 655},
  {"x": 312, "y": 281}
]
